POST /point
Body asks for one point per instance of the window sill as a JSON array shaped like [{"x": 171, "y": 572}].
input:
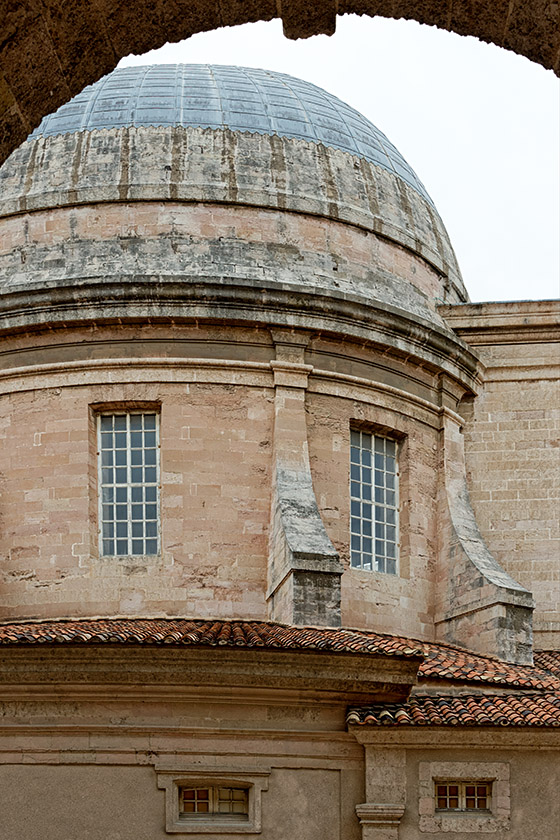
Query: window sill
[
  {"x": 464, "y": 822},
  {"x": 131, "y": 558}
]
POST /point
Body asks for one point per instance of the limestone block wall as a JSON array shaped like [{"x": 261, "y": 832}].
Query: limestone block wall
[
  {"x": 216, "y": 477},
  {"x": 255, "y": 432},
  {"x": 218, "y": 430},
  {"x": 403, "y": 603},
  {"x": 478, "y": 604},
  {"x": 512, "y": 432}
]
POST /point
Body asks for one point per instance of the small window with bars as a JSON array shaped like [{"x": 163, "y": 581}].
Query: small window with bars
[
  {"x": 463, "y": 796},
  {"x": 128, "y": 452},
  {"x": 223, "y": 803},
  {"x": 374, "y": 502}
]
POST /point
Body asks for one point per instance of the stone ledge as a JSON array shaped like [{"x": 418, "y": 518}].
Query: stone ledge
[
  {"x": 381, "y": 815},
  {"x": 341, "y": 677}
]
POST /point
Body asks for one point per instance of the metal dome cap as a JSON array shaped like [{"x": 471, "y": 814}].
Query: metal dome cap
[{"x": 239, "y": 98}]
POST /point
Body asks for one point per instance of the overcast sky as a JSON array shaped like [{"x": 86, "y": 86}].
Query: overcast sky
[{"x": 479, "y": 125}]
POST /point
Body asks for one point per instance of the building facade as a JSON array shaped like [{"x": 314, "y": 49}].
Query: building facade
[{"x": 279, "y": 506}]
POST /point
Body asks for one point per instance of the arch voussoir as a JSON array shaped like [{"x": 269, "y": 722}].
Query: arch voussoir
[{"x": 50, "y": 51}]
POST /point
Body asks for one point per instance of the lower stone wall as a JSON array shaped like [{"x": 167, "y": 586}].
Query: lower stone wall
[
  {"x": 115, "y": 781},
  {"x": 75, "y": 802},
  {"x": 520, "y": 767},
  {"x": 97, "y": 770}
]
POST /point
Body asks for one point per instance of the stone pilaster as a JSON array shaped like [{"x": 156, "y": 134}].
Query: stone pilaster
[
  {"x": 304, "y": 569},
  {"x": 381, "y": 815}
]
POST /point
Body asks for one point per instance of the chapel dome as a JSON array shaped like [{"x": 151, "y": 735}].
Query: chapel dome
[
  {"x": 180, "y": 179},
  {"x": 242, "y": 99}
]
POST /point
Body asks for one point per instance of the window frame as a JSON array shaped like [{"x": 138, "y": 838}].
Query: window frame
[
  {"x": 128, "y": 411},
  {"x": 214, "y": 800},
  {"x": 461, "y": 785},
  {"x": 433, "y": 821},
  {"x": 396, "y": 439},
  {"x": 174, "y": 781}
]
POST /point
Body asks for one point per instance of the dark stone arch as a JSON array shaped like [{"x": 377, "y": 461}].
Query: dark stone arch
[{"x": 51, "y": 49}]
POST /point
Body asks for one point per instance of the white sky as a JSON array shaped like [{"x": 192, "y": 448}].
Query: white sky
[{"x": 479, "y": 125}]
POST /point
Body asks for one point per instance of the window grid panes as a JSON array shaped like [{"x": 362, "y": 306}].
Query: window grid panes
[
  {"x": 128, "y": 447},
  {"x": 463, "y": 796},
  {"x": 215, "y": 802},
  {"x": 374, "y": 502},
  {"x": 196, "y": 801}
]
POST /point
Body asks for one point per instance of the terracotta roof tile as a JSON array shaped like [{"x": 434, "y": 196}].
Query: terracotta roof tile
[
  {"x": 176, "y": 631},
  {"x": 445, "y": 662},
  {"x": 548, "y": 659},
  {"x": 440, "y": 662},
  {"x": 519, "y": 709}
]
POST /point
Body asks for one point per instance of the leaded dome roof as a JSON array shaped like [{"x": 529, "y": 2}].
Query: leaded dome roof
[{"x": 239, "y": 98}]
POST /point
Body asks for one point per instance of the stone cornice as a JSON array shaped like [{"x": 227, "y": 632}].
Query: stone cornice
[
  {"x": 475, "y": 737},
  {"x": 169, "y": 299},
  {"x": 511, "y": 322},
  {"x": 345, "y": 677},
  {"x": 204, "y": 370}
]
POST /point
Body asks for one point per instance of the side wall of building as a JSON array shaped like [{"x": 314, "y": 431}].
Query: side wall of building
[{"x": 512, "y": 445}]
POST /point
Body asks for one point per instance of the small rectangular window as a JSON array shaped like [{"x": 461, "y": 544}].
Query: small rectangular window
[
  {"x": 374, "y": 502},
  {"x": 128, "y": 452},
  {"x": 463, "y": 796},
  {"x": 222, "y": 803}
]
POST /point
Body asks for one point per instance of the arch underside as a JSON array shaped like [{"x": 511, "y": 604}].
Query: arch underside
[{"x": 49, "y": 52}]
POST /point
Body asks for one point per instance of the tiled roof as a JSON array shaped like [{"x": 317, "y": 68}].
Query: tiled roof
[
  {"x": 549, "y": 659},
  {"x": 519, "y": 709},
  {"x": 176, "y": 631},
  {"x": 440, "y": 662},
  {"x": 444, "y": 662}
]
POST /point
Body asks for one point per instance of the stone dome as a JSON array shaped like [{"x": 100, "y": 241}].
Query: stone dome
[
  {"x": 248, "y": 293},
  {"x": 196, "y": 183},
  {"x": 239, "y": 98}
]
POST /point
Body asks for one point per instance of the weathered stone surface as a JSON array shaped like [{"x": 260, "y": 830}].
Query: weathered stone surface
[
  {"x": 478, "y": 604},
  {"x": 154, "y": 673},
  {"x": 193, "y": 223},
  {"x": 176, "y": 164},
  {"x": 215, "y": 384},
  {"x": 303, "y": 566},
  {"x": 304, "y": 569}
]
